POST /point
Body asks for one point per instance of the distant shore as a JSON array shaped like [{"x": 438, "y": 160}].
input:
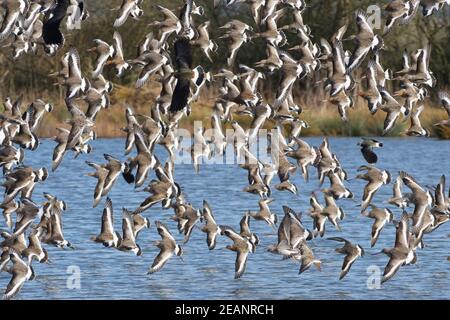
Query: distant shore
[{"x": 323, "y": 119}]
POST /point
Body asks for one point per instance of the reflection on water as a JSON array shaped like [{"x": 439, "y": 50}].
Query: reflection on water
[{"x": 204, "y": 274}]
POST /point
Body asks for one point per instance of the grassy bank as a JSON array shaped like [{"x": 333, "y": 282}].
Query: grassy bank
[{"x": 323, "y": 118}]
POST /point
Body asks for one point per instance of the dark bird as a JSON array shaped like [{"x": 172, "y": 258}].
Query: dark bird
[
  {"x": 186, "y": 76},
  {"x": 50, "y": 31},
  {"x": 367, "y": 146}
]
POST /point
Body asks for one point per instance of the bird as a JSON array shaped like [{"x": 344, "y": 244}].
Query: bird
[
  {"x": 235, "y": 40},
  {"x": 108, "y": 237},
  {"x": 441, "y": 203},
  {"x": 151, "y": 62},
  {"x": 139, "y": 223},
  {"x": 34, "y": 251},
  {"x": 104, "y": 52},
  {"x": 128, "y": 240},
  {"x": 396, "y": 10},
  {"x": 22, "y": 180},
  {"x": 36, "y": 111},
  {"x": 367, "y": 146},
  {"x": 372, "y": 95},
  {"x": 162, "y": 191},
  {"x": 167, "y": 246},
  {"x": 203, "y": 40},
  {"x": 8, "y": 209},
  {"x": 284, "y": 246},
  {"x": 420, "y": 198},
  {"x": 187, "y": 220},
  {"x": 398, "y": 199},
  {"x": 402, "y": 253},
  {"x": 76, "y": 13},
  {"x": 307, "y": 258},
  {"x": 127, "y": 8},
  {"x": 56, "y": 236},
  {"x": 305, "y": 156},
  {"x": 416, "y": 128},
  {"x": 242, "y": 246},
  {"x": 13, "y": 12},
  {"x": 316, "y": 213},
  {"x": 337, "y": 188},
  {"x": 332, "y": 211},
  {"x": 393, "y": 110},
  {"x": 264, "y": 213},
  {"x": 144, "y": 161},
  {"x": 169, "y": 25},
  {"x": 381, "y": 217},
  {"x": 52, "y": 35},
  {"x": 118, "y": 60},
  {"x": 75, "y": 82},
  {"x": 365, "y": 39},
  {"x": 297, "y": 231},
  {"x": 186, "y": 76},
  {"x": 27, "y": 213},
  {"x": 211, "y": 228},
  {"x": 245, "y": 231},
  {"x": 101, "y": 173},
  {"x": 352, "y": 253},
  {"x": 115, "y": 167},
  {"x": 340, "y": 80},
  {"x": 445, "y": 102},
  {"x": 376, "y": 178},
  {"x": 21, "y": 272}
]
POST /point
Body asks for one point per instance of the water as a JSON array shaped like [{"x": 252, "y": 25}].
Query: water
[{"x": 111, "y": 274}]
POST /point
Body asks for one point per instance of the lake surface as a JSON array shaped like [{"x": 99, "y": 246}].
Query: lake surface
[{"x": 111, "y": 274}]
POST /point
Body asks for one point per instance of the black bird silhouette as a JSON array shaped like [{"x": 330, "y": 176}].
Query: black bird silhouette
[
  {"x": 185, "y": 74},
  {"x": 50, "y": 30},
  {"x": 367, "y": 146}
]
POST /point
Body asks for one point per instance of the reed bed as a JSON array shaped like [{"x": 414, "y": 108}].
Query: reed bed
[{"x": 323, "y": 118}]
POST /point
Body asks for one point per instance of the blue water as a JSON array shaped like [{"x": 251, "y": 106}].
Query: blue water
[{"x": 111, "y": 274}]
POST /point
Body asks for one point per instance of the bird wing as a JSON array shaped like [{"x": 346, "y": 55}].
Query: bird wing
[
  {"x": 338, "y": 59},
  {"x": 15, "y": 284},
  {"x": 401, "y": 234},
  {"x": 125, "y": 10},
  {"x": 445, "y": 100},
  {"x": 440, "y": 192},
  {"x": 369, "y": 155},
  {"x": 163, "y": 231},
  {"x": 349, "y": 259},
  {"x": 118, "y": 47},
  {"x": 241, "y": 262},
  {"x": 391, "y": 268},
  {"x": 183, "y": 53},
  {"x": 128, "y": 227},
  {"x": 108, "y": 218},
  {"x": 410, "y": 182},
  {"x": 74, "y": 63},
  {"x": 168, "y": 14},
  {"x": 160, "y": 260},
  {"x": 180, "y": 95},
  {"x": 398, "y": 188}
]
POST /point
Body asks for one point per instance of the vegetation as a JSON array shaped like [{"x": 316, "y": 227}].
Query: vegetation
[{"x": 30, "y": 75}]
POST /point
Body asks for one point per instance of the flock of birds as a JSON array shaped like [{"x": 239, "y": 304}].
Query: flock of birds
[{"x": 27, "y": 25}]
